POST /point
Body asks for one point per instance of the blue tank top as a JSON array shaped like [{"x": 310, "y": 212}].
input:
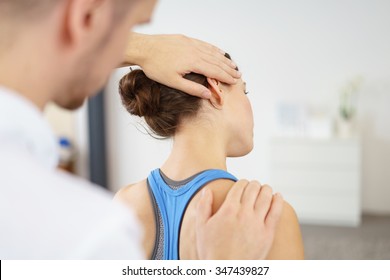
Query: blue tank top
[{"x": 172, "y": 204}]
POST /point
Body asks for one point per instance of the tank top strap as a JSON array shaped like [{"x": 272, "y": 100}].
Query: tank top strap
[
  {"x": 173, "y": 203},
  {"x": 206, "y": 177}
]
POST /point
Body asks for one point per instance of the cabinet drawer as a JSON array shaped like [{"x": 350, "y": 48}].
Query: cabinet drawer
[
  {"x": 320, "y": 178},
  {"x": 333, "y": 210},
  {"x": 319, "y": 152},
  {"x": 341, "y": 181}
]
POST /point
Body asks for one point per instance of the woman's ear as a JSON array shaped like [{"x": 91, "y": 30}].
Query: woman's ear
[{"x": 217, "y": 97}]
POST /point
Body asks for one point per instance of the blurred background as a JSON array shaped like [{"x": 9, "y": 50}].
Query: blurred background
[{"x": 318, "y": 75}]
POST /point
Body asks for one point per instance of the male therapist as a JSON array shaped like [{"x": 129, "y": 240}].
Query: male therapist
[{"x": 63, "y": 51}]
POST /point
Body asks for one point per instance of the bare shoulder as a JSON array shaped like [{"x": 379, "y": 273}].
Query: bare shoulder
[
  {"x": 220, "y": 188},
  {"x": 290, "y": 226},
  {"x": 128, "y": 193},
  {"x": 289, "y": 215},
  {"x": 288, "y": 242},
  {"x": 137, "y": 197}
]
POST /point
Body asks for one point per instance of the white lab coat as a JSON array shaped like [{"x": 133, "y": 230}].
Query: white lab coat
[{"x": 46, "y": 213}]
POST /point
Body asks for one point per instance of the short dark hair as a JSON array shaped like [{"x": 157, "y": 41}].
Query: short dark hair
[
  {"x": 30, "y": 9},
  {"x": 27, "y": 9}
]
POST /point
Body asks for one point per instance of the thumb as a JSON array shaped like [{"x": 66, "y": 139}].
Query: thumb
[
  {"x": 204, "y": 208},
  {"x": 192, "y": 88}
]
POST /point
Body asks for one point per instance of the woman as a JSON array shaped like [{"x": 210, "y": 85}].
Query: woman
[{"x": 205, "y": 133}]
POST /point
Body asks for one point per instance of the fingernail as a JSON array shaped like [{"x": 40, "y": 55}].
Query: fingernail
[
  {"x": 239, "y": 73},
  {"x": 206, "y": 94},
  {"x": 203, "y": 192},
  {"x": 233, "y": 64},
  {"x": 279, "y": 195},
  {"x": 222, "y": 52}
]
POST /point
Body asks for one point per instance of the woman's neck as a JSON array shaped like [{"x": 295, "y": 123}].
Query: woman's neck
[{"x": 195, "y": 149}]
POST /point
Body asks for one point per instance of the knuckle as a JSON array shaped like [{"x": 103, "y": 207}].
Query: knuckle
[
  {"x": 267, "y": 189},
  {"x": 255, "y": 183},
  {"x": 197, "y": 63},
  {"x": 215, "y": 50},
  {"x": 223, "y": 66},
  {"x": 254, "y": 188},
  {"x": 230, "y": 210},
  {"x": 243, "y": 181}
]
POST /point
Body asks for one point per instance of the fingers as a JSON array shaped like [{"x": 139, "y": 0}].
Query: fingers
[
  {"x": 275, "y": 212},
  {"x": 250, "y": 195},
  {"x": 192, "y": 88},
  {"x": 208, "y": 48},
  {"x": 235, "y": 193},
  {"x": 214, "y": 67},
  {"x": 263, "y": 201},
  {"x": 204, "y": 208},
  {"x": 211, "y": 50},
  {"x": 221, "y": 60}
]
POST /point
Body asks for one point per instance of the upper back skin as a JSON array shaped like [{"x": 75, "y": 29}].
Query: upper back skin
[{"x": 287, "y": 243}]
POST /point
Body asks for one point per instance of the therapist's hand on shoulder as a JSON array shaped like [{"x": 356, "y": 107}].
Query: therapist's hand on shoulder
[
  {"x": 167, "y": 58},
  {"x": 245, "y": 225}
]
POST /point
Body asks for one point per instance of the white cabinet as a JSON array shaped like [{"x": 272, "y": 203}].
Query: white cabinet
[{"x": 321, "y": 179}]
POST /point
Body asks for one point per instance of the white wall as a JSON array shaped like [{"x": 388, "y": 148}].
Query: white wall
[{"x": 288, "y": 50}]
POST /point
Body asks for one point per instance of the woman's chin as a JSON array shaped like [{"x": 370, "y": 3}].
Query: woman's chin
[{"x": 241, "y": 152}]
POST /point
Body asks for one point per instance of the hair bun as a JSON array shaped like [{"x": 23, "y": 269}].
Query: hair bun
[
  {"x": 162, "y": 107},
  {"x": 139, "y": 94}
]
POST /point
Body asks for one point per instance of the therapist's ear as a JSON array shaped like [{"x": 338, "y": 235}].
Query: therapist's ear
[
  {"x": 216, "y": 93},
  {"x": 86, "y": 22}
]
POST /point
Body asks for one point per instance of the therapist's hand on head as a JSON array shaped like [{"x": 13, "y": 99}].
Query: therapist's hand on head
[
  {"x": 243, "y": 228},
  {"x": 167, "y": 58}
]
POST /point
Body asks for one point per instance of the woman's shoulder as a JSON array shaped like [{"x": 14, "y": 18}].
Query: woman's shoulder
[
  {"x": 288, "y": 239},
  {"x": 131, "y": 192},
  {"x": 220, "y": 189},
  {"x": 137, "y": 197},
  {"x": 288, "y": 243}
]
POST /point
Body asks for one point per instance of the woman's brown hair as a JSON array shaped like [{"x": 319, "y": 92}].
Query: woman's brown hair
[{"x": 162, "y": 107}]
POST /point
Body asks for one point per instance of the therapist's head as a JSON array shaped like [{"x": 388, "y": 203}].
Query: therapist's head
[
  {"x": 169, "y": 111},
  {"x": 70, "y": 46}
]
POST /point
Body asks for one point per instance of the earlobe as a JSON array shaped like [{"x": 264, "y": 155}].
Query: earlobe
[{"x": 217, "y": 96}]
